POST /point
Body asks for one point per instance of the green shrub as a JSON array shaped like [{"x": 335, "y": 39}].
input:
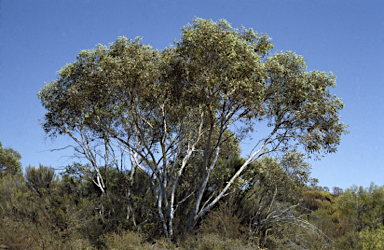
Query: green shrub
[
  {"x": 214, "y": 242},
  {"x": 124, "y": 240},
  {"x": 372, "y": 238}
]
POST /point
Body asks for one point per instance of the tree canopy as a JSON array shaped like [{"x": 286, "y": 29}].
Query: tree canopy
[
  {"x": 9, "y": 161},
  {"x": 165, "y": 109}
]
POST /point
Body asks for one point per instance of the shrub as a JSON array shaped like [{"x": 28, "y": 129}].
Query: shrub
[{"x": 124, "y": 240}]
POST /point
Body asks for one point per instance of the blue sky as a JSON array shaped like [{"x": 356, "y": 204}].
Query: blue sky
[{"x": 37, "y": 38}]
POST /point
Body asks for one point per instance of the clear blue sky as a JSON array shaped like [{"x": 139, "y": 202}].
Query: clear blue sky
[{"x": 37, "y": 38}]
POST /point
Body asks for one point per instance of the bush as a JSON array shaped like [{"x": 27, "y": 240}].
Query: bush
[
  {"x": 372, "y": 238},
  {"x": 215, "y": 242},
  {"x": 124, "y": 240}
]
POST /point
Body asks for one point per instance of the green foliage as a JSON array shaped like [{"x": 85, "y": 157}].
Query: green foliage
[
  {"x": 363, "y": 206},
  {"x": 70, "y": 217},
  {"x": 170, "y": 112},
  {"x": 314, "y": 199},
  {"x": 39, "y": 180},
  {"x": 371, "y": 239},
  {"x": 224, "y": 222},
  {"x": 47, "y": 216},
  {"x": 9, "y": 161},
  {"x": 12, "y": 190},
  {"x": 269, "y": 204},
  {"x": 352, "y": 219},
  {"x": 216, "y": 242},
  {"x": 25, "y": 221},
  {"x": 124, "y": 240}
]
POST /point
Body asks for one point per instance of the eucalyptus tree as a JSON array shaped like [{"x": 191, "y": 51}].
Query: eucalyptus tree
[{"x": 157, "y": 107}]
